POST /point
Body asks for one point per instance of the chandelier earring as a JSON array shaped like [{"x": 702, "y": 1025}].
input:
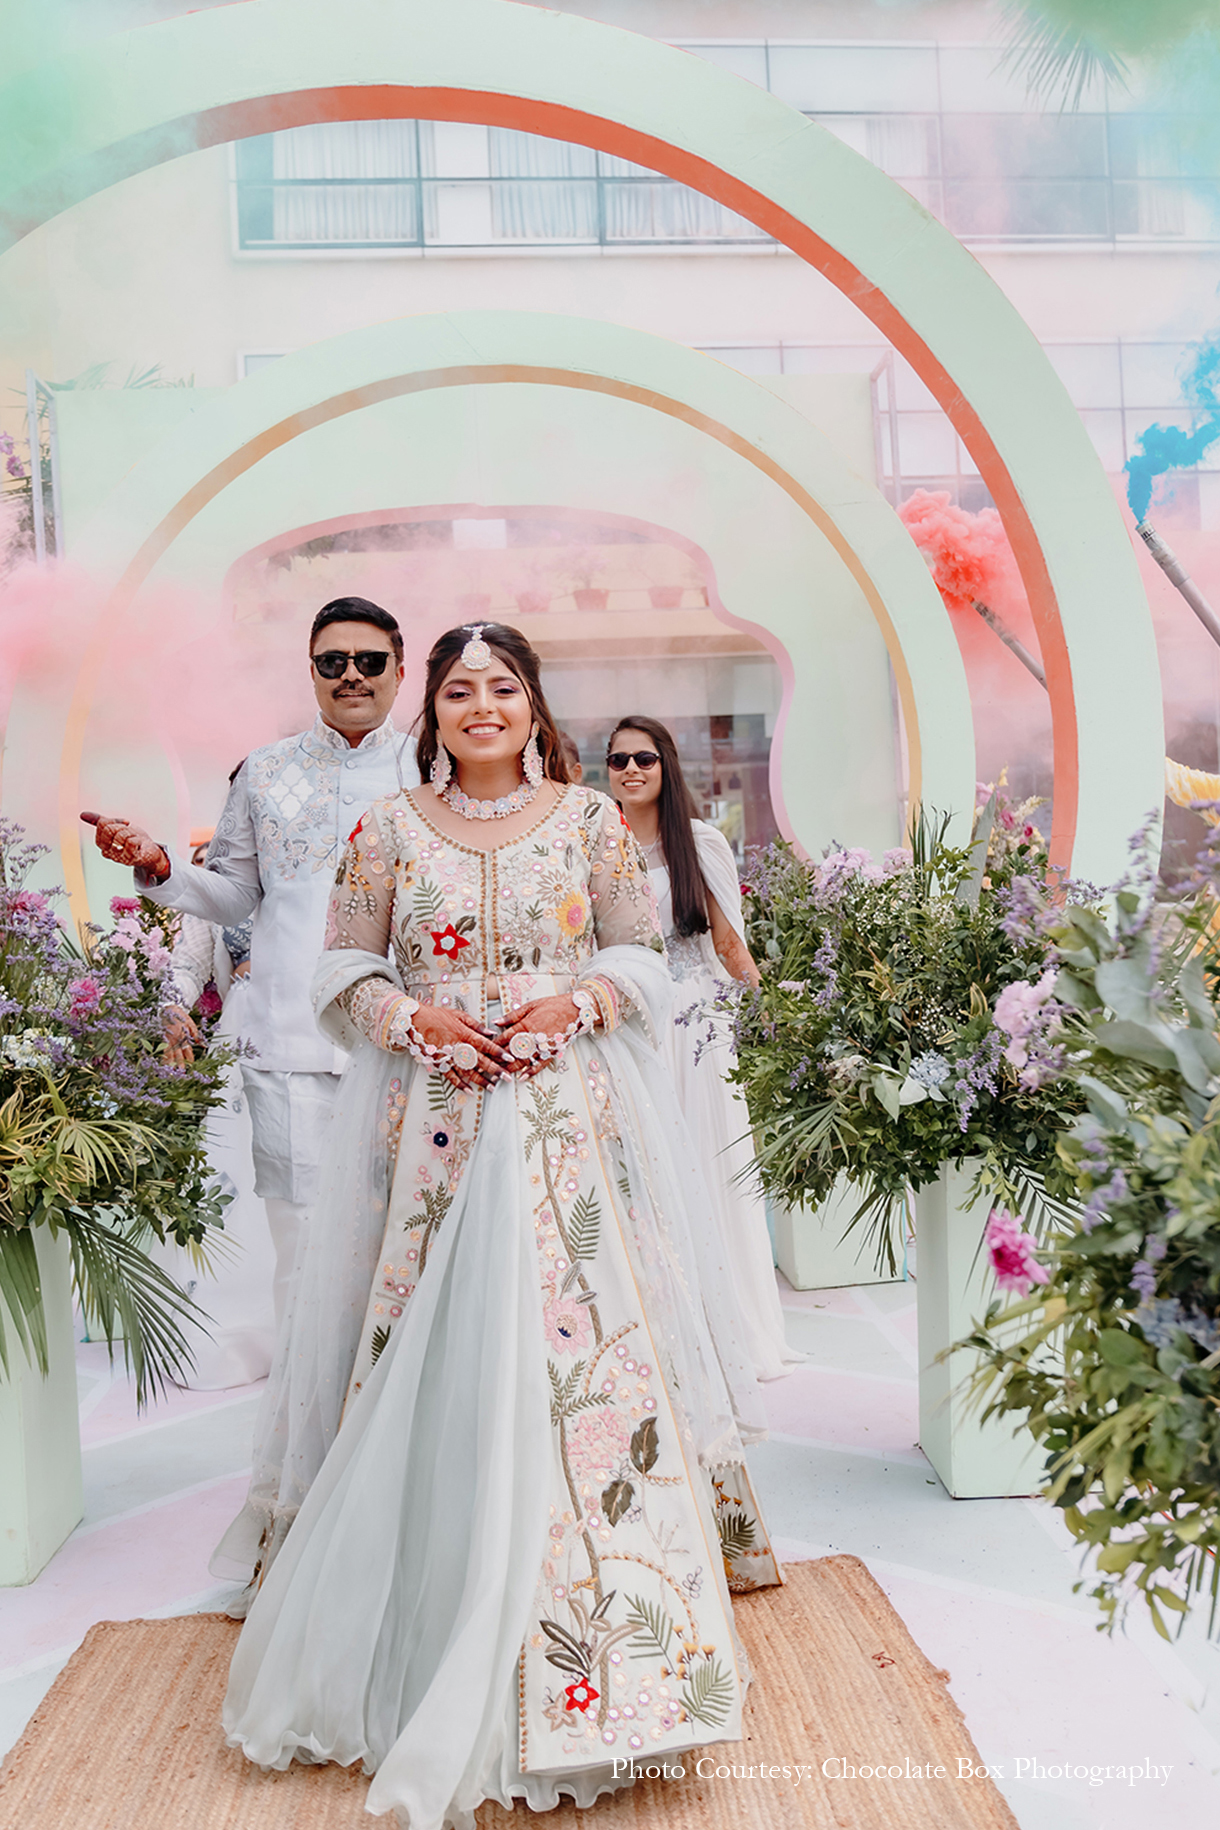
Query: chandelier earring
[
  {"x": 531, "y": 761},
  {"x": 442, "y": 768}
]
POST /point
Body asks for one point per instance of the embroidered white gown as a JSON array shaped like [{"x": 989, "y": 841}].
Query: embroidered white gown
[
  {"x": 507, "y": 1572},
  {"x": 716, "y": 1111}
]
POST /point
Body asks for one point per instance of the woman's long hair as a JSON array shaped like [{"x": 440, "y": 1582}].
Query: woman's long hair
[
  {"x": 676, "y": 809},
  {"x": 512, "y": 648}
]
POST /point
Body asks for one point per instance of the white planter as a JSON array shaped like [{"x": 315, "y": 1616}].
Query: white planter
[
  {"x": 41, "y": 1498},
  {"x": 810, "y": 1248},
  {"x": 975, "y": 1460}
]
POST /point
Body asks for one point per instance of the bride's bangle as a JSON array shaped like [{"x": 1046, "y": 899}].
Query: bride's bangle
[{"x": 605, "y": 1000}]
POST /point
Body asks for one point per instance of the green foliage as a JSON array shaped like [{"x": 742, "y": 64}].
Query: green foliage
[
  {"x": 870, "y": 1050},
  {"x": 100, "y": 1137},
  {"x": 1117, "y": 1357},
  {"x": 1062, "y": 46}
]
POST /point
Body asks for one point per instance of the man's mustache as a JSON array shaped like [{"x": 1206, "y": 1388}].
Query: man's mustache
[{"x": 353, "y": 692}]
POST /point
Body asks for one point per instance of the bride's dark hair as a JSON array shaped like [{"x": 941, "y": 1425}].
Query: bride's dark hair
[
  {"x": 512, "y": 648},
  {"x": 675, "y": 811}
]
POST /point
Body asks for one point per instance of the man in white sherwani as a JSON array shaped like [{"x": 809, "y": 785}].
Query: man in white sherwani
[{"x": 290, "y": 811}]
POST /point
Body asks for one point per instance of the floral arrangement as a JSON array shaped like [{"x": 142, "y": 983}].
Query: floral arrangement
[
  {"x": 1114, "y": 1346},
  {"x": 100, "y": 1136},
  {"x": 871, "y": 1049}
]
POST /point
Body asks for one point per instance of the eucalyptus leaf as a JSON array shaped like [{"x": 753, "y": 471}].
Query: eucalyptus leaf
[
  {"x": 1138, "y": 1042},
  {"x": 1126, "y": 984}
]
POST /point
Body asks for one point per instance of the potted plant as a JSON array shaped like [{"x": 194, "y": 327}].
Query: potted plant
[
  {"x": 101, "y": 1151},
  {"x": 1126, "y": 1406},
  {"x": 870, "y": 1059}
]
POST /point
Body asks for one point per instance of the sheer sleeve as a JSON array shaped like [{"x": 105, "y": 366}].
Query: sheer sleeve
[
  {"x": 624, "y": 907},
  {"x": 359, "y": 918},
  {"x": 192, "y": 959}
]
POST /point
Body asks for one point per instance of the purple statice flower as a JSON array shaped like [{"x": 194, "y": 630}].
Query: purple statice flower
[
  {"x": 1143, "y": 1279},
  {"x": 1011, "y": 1251},
  {"x": 1102, "y": 1199},
  {"x": 977, "y": 1073},
  {"x": 824, "y": 963},
  {"x": 1023, "y": 909},
  {"x": 798, "y": 1074}
]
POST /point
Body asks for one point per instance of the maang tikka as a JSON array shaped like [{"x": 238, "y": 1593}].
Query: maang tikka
[{"x": 476, "y": 655}]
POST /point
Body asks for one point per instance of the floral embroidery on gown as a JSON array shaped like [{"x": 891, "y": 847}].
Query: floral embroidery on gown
[{"x": 615, "y": 1637}]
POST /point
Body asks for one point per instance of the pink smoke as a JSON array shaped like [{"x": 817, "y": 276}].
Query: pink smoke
[{"x": 968, "y": 555}]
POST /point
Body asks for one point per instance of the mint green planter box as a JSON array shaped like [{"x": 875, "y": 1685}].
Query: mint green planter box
[
  {"x": 975, "y": 1460},
  {"x": 810, "y": 1249},
  {"x": 41, "y": 1500}
]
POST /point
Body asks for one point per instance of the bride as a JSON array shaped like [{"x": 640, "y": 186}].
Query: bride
[{"x": 506, "y": 1572}]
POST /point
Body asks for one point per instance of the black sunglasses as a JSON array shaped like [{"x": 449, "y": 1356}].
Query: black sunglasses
[
  {"x": 643, "y": 759},
  {"x": 369, "y": 661}
]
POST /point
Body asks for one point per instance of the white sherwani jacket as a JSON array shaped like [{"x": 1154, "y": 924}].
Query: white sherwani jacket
[{"x": 278, "y": 844}]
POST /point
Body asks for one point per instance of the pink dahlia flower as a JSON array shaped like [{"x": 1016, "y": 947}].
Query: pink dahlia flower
[{"x": 1011, "y": 1251}]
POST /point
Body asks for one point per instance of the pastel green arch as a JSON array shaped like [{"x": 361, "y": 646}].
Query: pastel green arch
[
  {"x": 147, "y": 95},
  {"x": 246, "y": 466}
]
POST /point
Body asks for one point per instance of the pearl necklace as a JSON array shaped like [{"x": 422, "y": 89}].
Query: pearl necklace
[{"x": 501, "y": 809}]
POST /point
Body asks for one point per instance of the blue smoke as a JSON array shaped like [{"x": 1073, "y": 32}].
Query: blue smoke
[{"x": 1164, "y": 448}]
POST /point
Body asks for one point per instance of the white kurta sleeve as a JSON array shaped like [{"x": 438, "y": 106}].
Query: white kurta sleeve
[{"x": 228, "y": 888}]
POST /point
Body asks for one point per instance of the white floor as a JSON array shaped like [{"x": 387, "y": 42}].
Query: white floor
[{"x": 985, "y": 1586}]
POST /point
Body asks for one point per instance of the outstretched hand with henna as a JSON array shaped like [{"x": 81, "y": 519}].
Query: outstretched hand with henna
[{"x": 124, "y": 843}]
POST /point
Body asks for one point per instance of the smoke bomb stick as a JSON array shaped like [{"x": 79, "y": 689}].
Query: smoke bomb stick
[
  {"x": 1011, "y": 641},
  {"x": 1177, "y": 575}
]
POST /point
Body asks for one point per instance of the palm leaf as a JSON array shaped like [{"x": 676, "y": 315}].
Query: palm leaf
[
  {"x": 1058, "y": 57},
  {"x": 584, "y": 1226},
  {"x": 654, "y": 1630},
  {"x": 736, "y": 1530},
  {"x": 21, "y": 1288},
  {"x": 123, "y": 1293},
  {"x": 708, "y": 1694}
]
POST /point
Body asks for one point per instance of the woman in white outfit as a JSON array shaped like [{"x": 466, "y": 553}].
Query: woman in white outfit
[
  {"x": 694, "y": 878},
  {"x": 500, "y": 1469}
]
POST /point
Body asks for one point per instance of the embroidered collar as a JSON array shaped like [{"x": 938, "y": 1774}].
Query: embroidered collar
[{"x": 322, "y": 737}]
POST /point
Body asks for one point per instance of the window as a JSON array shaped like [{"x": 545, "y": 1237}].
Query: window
[
  {"x": 403, "y": 184},
  {"x": 952, "y": 128}
]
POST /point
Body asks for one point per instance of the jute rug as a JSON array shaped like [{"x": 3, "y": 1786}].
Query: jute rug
[{"x": 128, "y": 1737}]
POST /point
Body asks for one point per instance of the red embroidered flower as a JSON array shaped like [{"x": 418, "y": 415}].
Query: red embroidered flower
[
  {"x": 581, "y": 1695},
  {"x": 447, "y": 943}
]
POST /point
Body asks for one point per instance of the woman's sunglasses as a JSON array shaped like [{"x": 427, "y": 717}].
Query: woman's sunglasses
[
  {"x": 369, "y": 661},
  {"x": 643, "y": 759}
]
